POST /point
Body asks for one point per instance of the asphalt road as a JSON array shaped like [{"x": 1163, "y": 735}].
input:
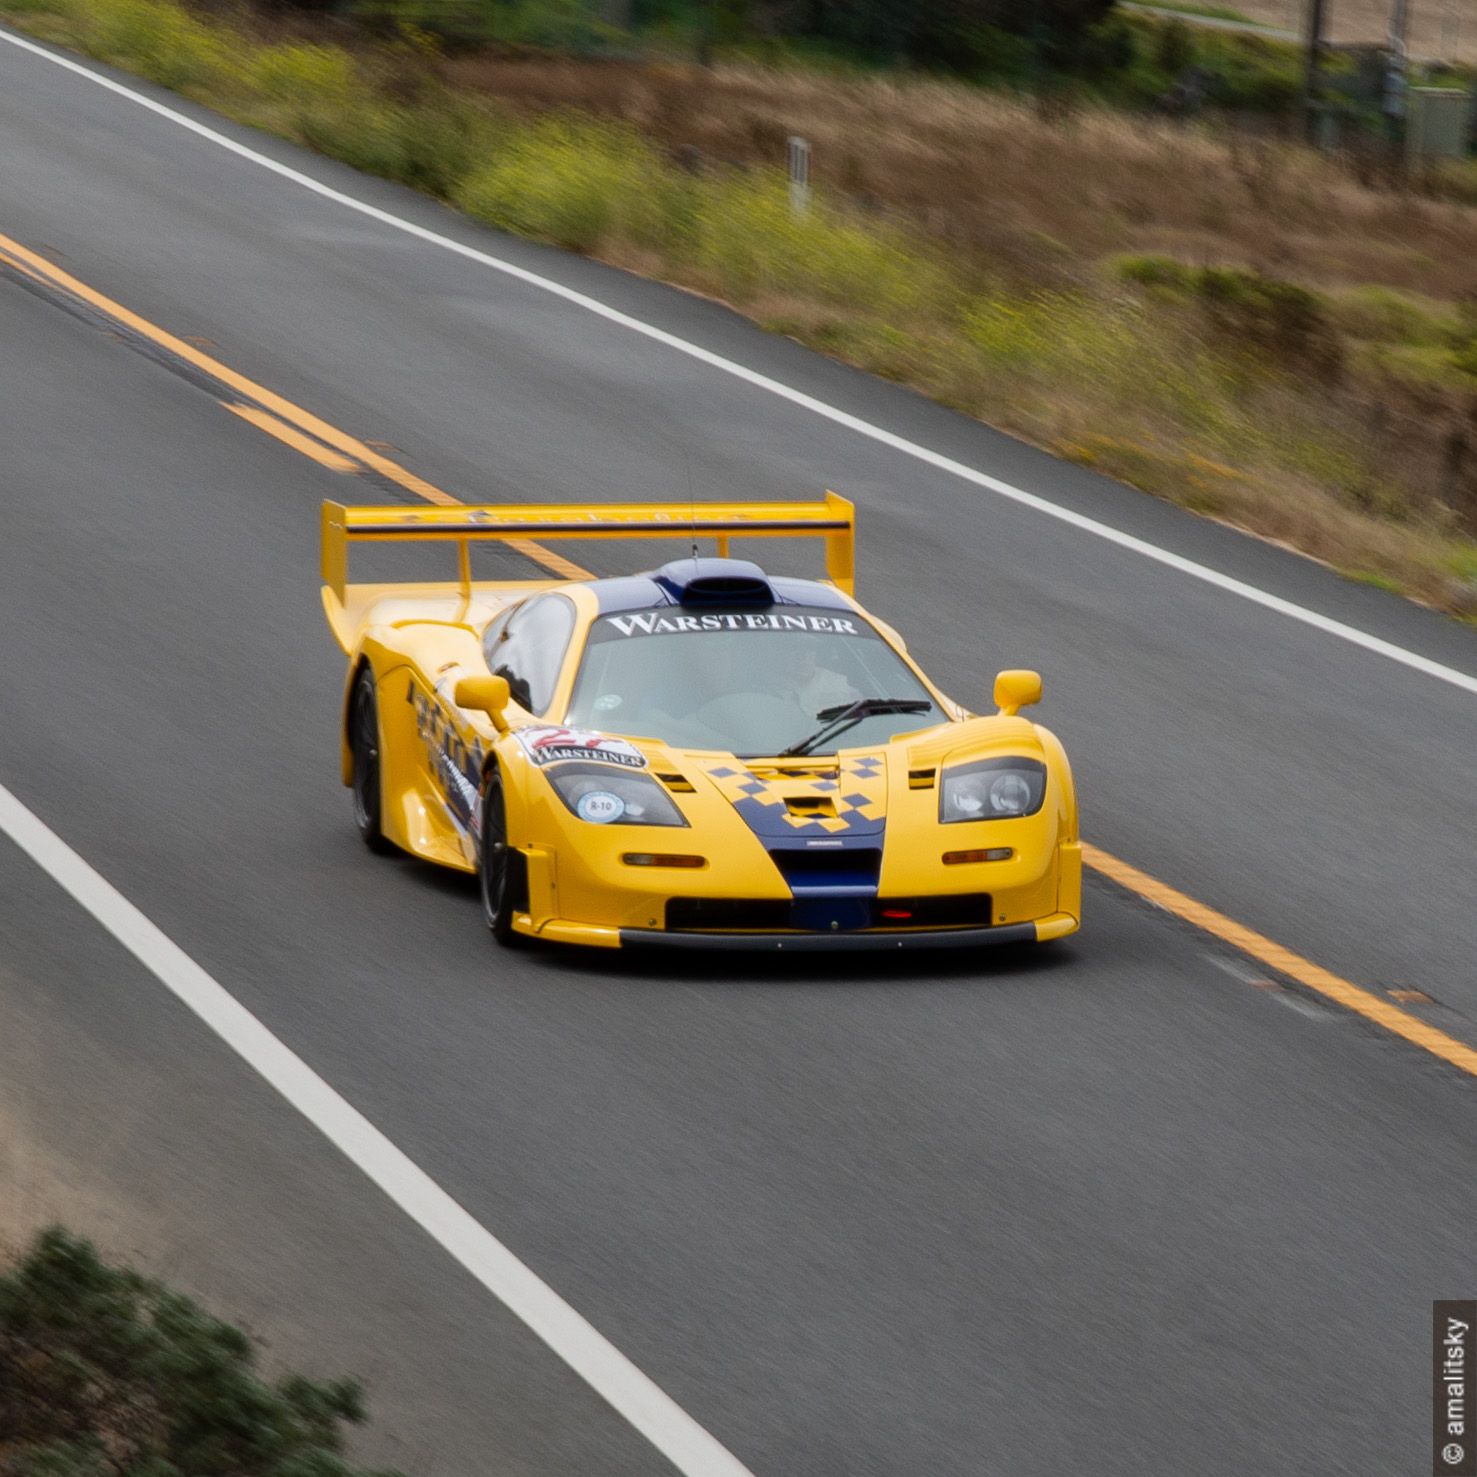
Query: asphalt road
[{"x": 1107, "y": 1207}]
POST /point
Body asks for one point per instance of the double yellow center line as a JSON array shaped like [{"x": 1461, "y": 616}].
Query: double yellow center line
[
  {"x": 1283, "y": 961},
  {"x": 292, "y": 425},
  {"x": 340, "y": 452}
]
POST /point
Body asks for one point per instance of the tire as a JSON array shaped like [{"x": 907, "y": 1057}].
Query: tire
[
  {"x": 502, "y": 870},
  {"x": 364, "y": 745}
]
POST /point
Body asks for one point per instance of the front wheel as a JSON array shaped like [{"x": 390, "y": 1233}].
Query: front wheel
[
  {"x": 364, "y": 747},
  {"x": 501, "y": 869}
]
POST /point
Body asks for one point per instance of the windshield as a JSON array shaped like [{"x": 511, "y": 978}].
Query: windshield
[{"x": 749, "y": 682}]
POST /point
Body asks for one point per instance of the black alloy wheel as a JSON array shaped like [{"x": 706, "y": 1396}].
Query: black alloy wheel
[
  {"x": 501, "y": 869},
  {"x": 364, "y": 746}
]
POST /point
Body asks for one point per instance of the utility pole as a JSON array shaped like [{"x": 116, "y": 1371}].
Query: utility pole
[
  {"x": 1316, "y": 15},
  {"x": 1393, "y": 102},
  {"x": 1399, "y": 24}
]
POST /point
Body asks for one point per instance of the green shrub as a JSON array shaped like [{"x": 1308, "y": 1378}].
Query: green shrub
[
  {"x": 160, "y": 40},
  {"x": 1155, "y": 271},
  {"x": 1246, "y": 72},
  {"x": 576, "y": 182},
  {"x": 1464, "y": 357},
  {"x": 58, "y": 8},
  {"x": 754, "y": 243},
  {"x": 1270, "y": 315},
  {"x": 430, "y": 143},
  {"x": 304, "y": 76},
  {"x": 1386, "y": 315},
  {"x": 1113, "y": 356},
  {"x": 453, "y": 23},
  {"x": 1108, "y": 50},
  {"x": 1415, "y": 338},
  {"x": 1174, "y": 50},
  {"x": 556, "y": 25},
  {"x": 993, "y": 55},
  {"x": 430, "y": 146},
  {"x": 1249, "y": 312},
  {"x": 104, "y": 1373},
  {"x": 435, "y": 143},
  {"x": 1251, "y": 72},
  {"x": 443, "y": 141},
  {"x": 1061, "y": 336},
  {"x": 1154, "y": 379},
  {"x": 368, "y": 135}
]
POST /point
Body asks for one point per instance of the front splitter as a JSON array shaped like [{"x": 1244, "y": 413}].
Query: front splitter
[{"x": 816, "y": 943}]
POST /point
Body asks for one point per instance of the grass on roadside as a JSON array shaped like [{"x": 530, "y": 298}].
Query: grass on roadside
[
  {"x": 1232, "y": 391},
  {"x": 106, "y": 1373}
]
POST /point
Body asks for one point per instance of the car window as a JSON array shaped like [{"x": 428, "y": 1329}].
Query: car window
[
  {"x": 752, "y": 683},
  {"x": 527, "y": 647}
]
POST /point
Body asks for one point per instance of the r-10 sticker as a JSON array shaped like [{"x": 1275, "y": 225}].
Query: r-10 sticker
[{"x": 600, "y": 807}]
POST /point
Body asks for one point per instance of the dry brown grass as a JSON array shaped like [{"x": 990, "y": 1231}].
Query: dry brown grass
[{"x": 1039, "y": 199}]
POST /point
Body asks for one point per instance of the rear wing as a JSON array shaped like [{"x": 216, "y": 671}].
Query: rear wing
[{"x": 520, "y": 524}]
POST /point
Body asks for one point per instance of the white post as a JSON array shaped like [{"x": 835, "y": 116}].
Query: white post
[{"x": 799, "y": 166}]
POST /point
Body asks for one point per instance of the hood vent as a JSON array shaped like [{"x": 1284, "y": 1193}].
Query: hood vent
[
  {"x": 786, "y": 770},
  {"x": 811, "y": 807}
]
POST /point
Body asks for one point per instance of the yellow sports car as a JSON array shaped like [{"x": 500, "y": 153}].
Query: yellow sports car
[{"x": 706, "y": 755}]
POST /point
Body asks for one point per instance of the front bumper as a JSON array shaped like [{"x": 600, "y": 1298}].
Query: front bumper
[
  {"x": 1044, "y": 907},
  {"x": 863, "y": 940}
]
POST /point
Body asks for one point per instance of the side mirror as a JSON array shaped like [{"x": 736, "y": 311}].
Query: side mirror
[
  {"x": 1016, "y": 689},
  {"x": 488, "y": 695}
]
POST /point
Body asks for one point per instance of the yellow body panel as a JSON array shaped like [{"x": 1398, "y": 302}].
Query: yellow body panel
[{"x": 420, "y": 640}]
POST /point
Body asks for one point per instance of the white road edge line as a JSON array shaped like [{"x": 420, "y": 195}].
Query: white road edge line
[
  {"x": 674, "y": 1433},
  {"x": 1203, "y": 572}
]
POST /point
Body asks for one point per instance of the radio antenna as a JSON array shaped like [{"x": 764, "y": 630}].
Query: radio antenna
[{"x": 691, "y": 499}]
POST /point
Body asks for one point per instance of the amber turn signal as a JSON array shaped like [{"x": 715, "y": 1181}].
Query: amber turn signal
[
  {"x": 993, "y": 854},
  {"x": 662, "y": 859}
]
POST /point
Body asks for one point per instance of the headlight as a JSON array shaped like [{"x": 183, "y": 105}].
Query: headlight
[
  {"x": 606, "y": 796},
  {"x": 992, "y": 790}
]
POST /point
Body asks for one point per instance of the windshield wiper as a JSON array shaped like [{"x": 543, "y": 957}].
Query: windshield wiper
[{"x": 847, "y": 715}]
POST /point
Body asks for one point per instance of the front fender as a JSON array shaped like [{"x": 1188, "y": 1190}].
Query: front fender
[{"x": 1057, "y": 763}]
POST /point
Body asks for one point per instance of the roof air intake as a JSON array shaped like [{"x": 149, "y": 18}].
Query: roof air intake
[{"x": 715, "y": 582}]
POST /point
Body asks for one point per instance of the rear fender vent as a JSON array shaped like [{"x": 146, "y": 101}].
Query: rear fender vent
[{"x": 679, "y": 784}]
